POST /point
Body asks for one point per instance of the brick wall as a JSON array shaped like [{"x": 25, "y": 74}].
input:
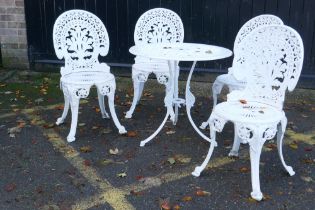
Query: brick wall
[{"x": 13, "y": 34}]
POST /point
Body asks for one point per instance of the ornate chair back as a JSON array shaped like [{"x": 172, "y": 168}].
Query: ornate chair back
[
  {"x": 159, "y": 25},
  {"x": 271, "y": 59},
  {"x": 79, "y": 38}
]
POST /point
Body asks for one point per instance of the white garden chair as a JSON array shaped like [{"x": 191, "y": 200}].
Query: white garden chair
[
  {"x": 157, "y": 25},
  {"x": 79, "y": 38},
  {"x": 228, "y": 79},
  {"x": 270, "y": 60}
]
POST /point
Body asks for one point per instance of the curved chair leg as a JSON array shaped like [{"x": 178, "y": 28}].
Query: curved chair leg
[
  {"x": 141, "y": 86},
  {"x": 216, "y": 90},
  {"x": 136, "y": 87},
  {"x": 111, "y": 104},
  {"x": 236, "y": 144},
  {"x": 74, "y": 103},
  {"x": 255, "y": 148},
  {"x": 200, "y": 168},
  {"x": 280, "y": 134},
  {"x": 61, "y": 119},
  {"x": 102, "y": 105}
]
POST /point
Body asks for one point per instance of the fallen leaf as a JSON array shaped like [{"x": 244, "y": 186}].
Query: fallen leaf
[
  {"x": 106, "y": 131},
  {"x": 39, "y": 189},
  {"x": 164, "y": 203},
  {"x": 243, "y": 101},
  {"x": 95, "y": 127},
  {"x": 105, "y": 162},
  {"x": 266, "y": 197},
  {"x": 132, "y": 134},
  {"x": 308, "y": 149},
  {"x": 171, "y": 160},
  {"x": 308, "y": 161},
  {"x": 81, "y": 124},
  {"x": 176, "y": 207},
  {"x": 244, "y": 170},
  {"x": 271, "y": 146},
  {"x": 306, "y": 178},
  {"x": 13, "y": 131},
  {"x": 121, "y": 175},
  {"x": 136, "y": 193},
  {"x": 60, "y": 107},
  {"x": 113, "y": 151},
  {"x": 182, "y": 159},
  {"x": 252, "y": 200},
  {"x": 39, "y": 100},
  {"x": 10, "y": 187},
  {"x": 170, "y": 132},
  {"x": 51, "y": 125},
  {"x": 139, "y": 177},
  {"x": 8, "y": 92},
  {"x": 202, "y": 193},
  {"x": 187, "y": 198},
  {"x": 86, "y": 149},
  {"x": 87, "y": 162},
  {"x": 293, "y": 146}
]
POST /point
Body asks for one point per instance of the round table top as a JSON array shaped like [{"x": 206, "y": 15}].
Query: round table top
[{"x": 181, "y": 51}]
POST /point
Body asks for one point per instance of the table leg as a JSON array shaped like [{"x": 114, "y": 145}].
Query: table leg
[
  {"x": 168, "y": 101},
  {"x": 190, "y": 101},
  {"x": 176, "y": 105}
]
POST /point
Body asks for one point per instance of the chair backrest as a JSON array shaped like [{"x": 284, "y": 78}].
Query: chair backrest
[
  {"x": 271, "y": 59},
  {"x": 252, "y": 24},
  {"x": 159, "y": 25},
  {"x": 79, "y": 38}
]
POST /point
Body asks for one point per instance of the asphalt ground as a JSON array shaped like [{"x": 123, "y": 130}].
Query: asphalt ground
[{"x": 40, "y": 170}]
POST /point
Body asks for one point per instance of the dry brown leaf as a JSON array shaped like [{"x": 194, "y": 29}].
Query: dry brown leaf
[
  {"x": 244, "y": 170},
  {"x": 187, "y": 198},
  {"x": 202, "y": 193},
  {"x": 176, "y": 207},
  {"x": 86, "y": 149},
  {"x": 132, "y": 134}
]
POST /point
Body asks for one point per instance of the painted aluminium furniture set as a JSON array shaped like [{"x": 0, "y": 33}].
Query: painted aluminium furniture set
[{"x": 268, "y": 58}]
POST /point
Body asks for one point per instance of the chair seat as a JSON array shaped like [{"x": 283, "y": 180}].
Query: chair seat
[
  {"x": 87, "y": 78},
  {"x": 251, "y": 112},
  {"x": 229, "y": 79}
]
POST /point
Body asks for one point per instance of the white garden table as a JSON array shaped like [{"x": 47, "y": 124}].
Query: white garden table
[{"x": 173, "y": 53}]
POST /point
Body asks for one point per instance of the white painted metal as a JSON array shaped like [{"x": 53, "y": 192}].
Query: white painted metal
[
  {"x": 228, "y": 79},
  {"x": 173, "y": 53},
  {"x": 157, "y": 25},
  {"x": 270, "y": 60},
  {"x": 79, "y": 38}
]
